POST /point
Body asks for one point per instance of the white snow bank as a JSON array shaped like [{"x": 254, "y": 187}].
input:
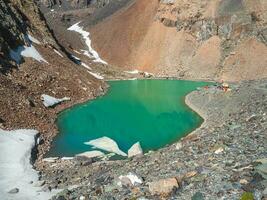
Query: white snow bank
[
  {"x": 134, "y": 179},
  {"x": 26, "y": 51},
  {"x": 76, "y": 51},
  {"x": 97, "y": 76},
  {"x": 146, "y": 74},
  {"x": 51, "y": 159},
  {"x": 86, "y": 66},
  {"x": 15, "y": 168},
  {"x": 49, "y": 101},
  {"x": 91, "y": 53},
  {"x": 106, "y": 144},
  {"x": 58, "y": 53},
  {"x": 32, "y": 39},
  {"x": 91, "y": 154},
  {"x": 132, "y": 72}
]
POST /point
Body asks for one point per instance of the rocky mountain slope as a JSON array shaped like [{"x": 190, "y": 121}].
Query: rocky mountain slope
[
  {"x": 33, "y": 64},
  {"x": 193, "y": 39}
]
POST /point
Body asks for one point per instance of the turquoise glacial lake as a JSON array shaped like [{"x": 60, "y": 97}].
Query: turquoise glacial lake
[{"x": 152, "y": 112}]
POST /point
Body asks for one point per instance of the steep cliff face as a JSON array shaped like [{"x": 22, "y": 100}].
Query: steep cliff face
[{"x": 190, "y": 39}]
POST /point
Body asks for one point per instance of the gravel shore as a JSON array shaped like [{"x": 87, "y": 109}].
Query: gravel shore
[{"x": 225, "y": 158}]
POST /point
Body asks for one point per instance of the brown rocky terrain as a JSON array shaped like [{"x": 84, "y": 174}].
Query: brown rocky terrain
[
  {"x": 22, "y": 84},
  {"x": 224, "y": 159},
  {"x": 192, "y": 39}
]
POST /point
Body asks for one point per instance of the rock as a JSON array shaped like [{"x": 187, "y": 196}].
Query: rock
[
  {"x": 129, "y": 180},
  {"x": 125, "y": 181},
  {"x": 190, "y": 174},
  {"x": 198, "y": 196},
  {"x": 265, "y": 192},
  {"x": 219, "y": 150},
  {"x": 243, "y": 181},
  {"x": 178, "y": 146},
  {"x": 14, "y": 191},
  {"x": 82, "y": 198},
  {"x": 163, "y": 186},
  {"x": 135, "y": 150}
]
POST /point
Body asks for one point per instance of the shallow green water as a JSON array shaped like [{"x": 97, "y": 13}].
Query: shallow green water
[{"x": 152, "y": 112}]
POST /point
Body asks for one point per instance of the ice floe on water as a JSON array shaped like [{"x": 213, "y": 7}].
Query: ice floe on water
[
  {"x": 106, "y": 144},
  {"x": 91, "y": 53},
  {"x": 26, "y": 51},
  {"x": 50, "y": 101},
  {"x": 17, "y": 176}
]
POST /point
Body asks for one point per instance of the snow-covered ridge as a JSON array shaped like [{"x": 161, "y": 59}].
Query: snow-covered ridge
[
  {"x": 15, "y": 168},
  {"x": 91, "y": 53}
]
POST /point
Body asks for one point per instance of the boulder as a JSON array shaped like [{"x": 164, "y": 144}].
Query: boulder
[
  {"x": 163, "y": 186},
  {"x": 135, "y": 150},
  {"x": 129, "y": 180},
  {"x": 14, "y": 191}
]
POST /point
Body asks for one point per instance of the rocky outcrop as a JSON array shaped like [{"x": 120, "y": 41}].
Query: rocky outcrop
[{"x": 17, "y": 19}]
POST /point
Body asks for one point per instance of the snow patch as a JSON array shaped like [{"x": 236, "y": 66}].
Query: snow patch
[
  {"x": 49, "y": 101},
  {"x": 106, "y": 144},
  {"x": 86, "y": 66},
  {"x": 91, "y": 53},
  {"x": 58, "y": 53},
  {"x": 51, "y": 159},
  {"x": 91, "y": 154},
  {"x": 67, "y": 158},
  {"x": 97, "y": 76},
  {"x": 32, "y": 39},
  {"x": 132, "y": 72},
  {"x": 16, "y": 170},
  {"x": 76, "y": 51},
  {"x": 26, "y": 51}
]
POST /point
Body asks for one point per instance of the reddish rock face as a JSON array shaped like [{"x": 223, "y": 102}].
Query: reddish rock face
[{"x": 191, "y": 38}]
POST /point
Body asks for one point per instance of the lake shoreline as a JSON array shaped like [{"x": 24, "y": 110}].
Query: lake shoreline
[
  {"x": 199, "y": 156},
  {"x": 148, "y": 98}
]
